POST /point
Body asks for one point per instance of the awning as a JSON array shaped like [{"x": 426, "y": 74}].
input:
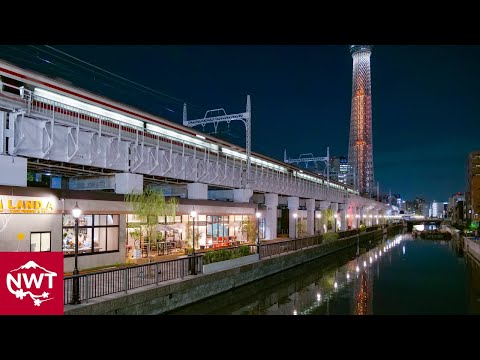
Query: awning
[
  {"x": 163, "y": 228},
  {"x": 170, "y": 227},
  {"x": 178, "y": 226}
]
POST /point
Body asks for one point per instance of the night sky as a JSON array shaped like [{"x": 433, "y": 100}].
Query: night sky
[{"x": 424, "y": 98}]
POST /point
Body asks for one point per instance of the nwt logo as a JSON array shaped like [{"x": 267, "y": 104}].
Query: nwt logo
[{"x": 31, "y": 283}]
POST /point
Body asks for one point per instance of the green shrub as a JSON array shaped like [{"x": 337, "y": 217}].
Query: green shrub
[
  {"x": 330, "y": 236},
  {"x": 244, "y": 250},
  {"x": 225, "y": 254}
]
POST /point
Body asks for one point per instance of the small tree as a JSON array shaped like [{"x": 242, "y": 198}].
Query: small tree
[
  {"x": 250, "y": 227},
  {"x": 136, "y": 234},
  {"x": 302, "y": 228},
  {"x": 189, "y": 238},
  {"x": 329, "y": 219},
  {"x": 148, "y": 206}
]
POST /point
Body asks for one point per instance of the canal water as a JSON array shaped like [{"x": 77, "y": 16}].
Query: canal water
[{"x": 396, "y": 276}]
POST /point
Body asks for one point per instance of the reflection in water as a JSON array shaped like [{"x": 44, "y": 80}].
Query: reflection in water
[
  {"x": 414, "y": 278},
  {"x": 362, "y": 297},
  {"x": 473, "y": 274}
]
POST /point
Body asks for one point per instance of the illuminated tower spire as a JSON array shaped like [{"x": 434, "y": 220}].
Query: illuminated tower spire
[{"x": 360, "y": 150}]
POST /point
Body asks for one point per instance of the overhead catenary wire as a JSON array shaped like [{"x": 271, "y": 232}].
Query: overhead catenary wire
[
  {"x": 173, "y": 98},
  {"x": 60, "y": 63},
  {"x": 63, "y": 62}
]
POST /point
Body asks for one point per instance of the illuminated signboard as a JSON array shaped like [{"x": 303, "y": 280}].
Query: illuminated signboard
[{"x": 26, "y": 205}]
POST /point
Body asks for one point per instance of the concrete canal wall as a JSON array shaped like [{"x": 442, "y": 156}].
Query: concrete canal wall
[
  {"x": 469, "y": 245},
  {"x": 472, "y": 247},
  {"x": 171, "y": 295}
]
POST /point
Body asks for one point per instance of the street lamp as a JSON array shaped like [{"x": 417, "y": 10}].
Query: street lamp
[
  {"x": 258, "y": 232},
  {"x": 358, "y": 217},
  {"x": 76, "y": 212},
  {"x": 193, "y": 214},
  {"x": 335, "y": 216},
  {"x": 295, "y": 217}
]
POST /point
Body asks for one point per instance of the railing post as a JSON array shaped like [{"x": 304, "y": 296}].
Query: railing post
[
  {"x": 183, "y": 269},
  {"x": 86, "y": 288},
  {"x": 125, "y": 279},
  {"x": 156, "y": 273}
]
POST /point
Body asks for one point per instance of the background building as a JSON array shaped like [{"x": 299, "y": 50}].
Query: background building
[
  {"x": 420, "y": 206},
  {"x": 437, "y": 209},
  {"x": 340, "y": 169},
  {"x": 473, "y": 201},
  {"x": 410, "y": 206},
  {"x": 455, "y": 207}
]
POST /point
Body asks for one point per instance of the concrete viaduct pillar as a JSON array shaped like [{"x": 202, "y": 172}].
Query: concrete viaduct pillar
[
  {"x": 310, "y": 216},
  {"x": 271, "y": 202},
  {"x": 293, "y": 202}
]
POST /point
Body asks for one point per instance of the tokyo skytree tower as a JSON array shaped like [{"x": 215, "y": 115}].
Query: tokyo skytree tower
[{"x": 360, "y": 149}]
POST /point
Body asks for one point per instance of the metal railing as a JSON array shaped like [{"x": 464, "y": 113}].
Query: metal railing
[
  {"x": 102, "y": 283},
  {"x": 277, "y": 248}
]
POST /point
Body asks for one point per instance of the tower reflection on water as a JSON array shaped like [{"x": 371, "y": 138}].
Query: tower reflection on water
[
  {"x": 363, "y": 287},
  {"x": 363, "y": 296},
  {"x": 366, "y": 268},
  {"x": 356, "y": 277}
]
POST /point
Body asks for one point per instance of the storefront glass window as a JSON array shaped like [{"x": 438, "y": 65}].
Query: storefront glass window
[
  {"x": 96, "y": 234},
  {"x": 261, "y": 227}
]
